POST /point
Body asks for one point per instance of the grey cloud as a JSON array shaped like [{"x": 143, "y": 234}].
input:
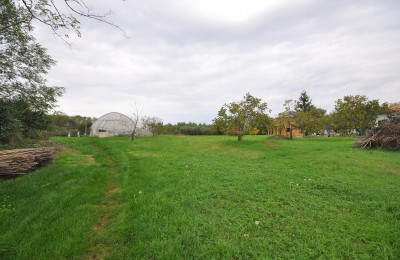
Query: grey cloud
[{"x": 182, "y": 67}]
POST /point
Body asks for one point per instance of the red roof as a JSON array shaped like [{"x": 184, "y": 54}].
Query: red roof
[{"x": 395, "y": 107}]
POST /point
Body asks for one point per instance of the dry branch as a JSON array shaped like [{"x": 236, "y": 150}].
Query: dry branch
[{"x": 385, "y": 137}]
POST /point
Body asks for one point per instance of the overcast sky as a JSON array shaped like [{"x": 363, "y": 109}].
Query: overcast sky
[{"x": 184, "y": 59}]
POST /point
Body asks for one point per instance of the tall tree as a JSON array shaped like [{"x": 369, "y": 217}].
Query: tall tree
[
  {"x": 24, "y": 94},
  {"x": 308, "y": 118},
  {"x": 24, "y": 62},
  {"x": 238, "y": 118},
  {"x": 304, "y": 102},
  {"x": 356, "y": 113}
]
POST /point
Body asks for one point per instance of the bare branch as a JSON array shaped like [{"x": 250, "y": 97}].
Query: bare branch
[{"x": 99, "y": 18}]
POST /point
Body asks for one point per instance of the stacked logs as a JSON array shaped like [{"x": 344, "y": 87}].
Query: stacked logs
[
  {"x": 385, "y": 137},
  {"x": 20, "y": 161}
]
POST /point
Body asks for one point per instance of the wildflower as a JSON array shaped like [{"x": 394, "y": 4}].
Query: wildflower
[
  {"x": 140, "y": 192},
  {"x": 246, "y": 235},
  {"x": 257, "y": 222}
]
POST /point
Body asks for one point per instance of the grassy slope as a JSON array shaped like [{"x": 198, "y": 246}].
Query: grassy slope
[
  {"x": 199, "y": 197},
  {"x": 50, "y": 213}
]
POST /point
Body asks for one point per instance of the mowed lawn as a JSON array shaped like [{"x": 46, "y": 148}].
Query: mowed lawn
[{"x": 202, "y": 197}]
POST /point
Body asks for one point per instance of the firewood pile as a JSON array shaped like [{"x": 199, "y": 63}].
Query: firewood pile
[
  {"x": 385, "y": 137},
  {"x": 20, "y": 161}
]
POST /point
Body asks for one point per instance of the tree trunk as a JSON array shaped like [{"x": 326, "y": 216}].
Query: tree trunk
[{"x": 240, "y": 137}]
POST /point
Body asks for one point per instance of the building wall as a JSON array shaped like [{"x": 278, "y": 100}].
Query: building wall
[{"x": 282, "y": 131}]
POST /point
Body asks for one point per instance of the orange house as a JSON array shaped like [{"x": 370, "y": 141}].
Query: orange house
[{"x": 282, "y": 128}]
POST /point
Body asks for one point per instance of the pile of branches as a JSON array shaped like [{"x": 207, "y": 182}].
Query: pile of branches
[{"x": 385, "y": 137}]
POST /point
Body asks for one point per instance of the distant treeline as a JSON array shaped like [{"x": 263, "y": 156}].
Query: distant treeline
[
  {"x": 62, "y": 124},
  {"x": 190, "y": 128}
]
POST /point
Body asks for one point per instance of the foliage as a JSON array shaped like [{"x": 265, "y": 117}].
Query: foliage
[
  {"x": 153, "y": 124},
  {"x": 238, "y": 118},
  {"x": 311, "y": 121},
  {"x": 190, "y": 128},
  {"x": 304, "y": 102},
  {"x": 24, "y": 62},
  {"x": 20, "y": 125},
  {"x": 25, "y": 98},
  {"x": 303, "y": 115},
  {"x": 356, "y": 113},
  {"x": 254, "y": 131},
  {"x": 63, "y": 124}
]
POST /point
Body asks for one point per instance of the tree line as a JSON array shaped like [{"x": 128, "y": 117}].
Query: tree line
[
  {"x": 190, "y": 128},
  {"x": 352, "y": 115},
  {"x": 64, "y": 125}
]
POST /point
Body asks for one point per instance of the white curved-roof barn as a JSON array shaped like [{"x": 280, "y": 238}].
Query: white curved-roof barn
[{"x": 111, "y": 124}]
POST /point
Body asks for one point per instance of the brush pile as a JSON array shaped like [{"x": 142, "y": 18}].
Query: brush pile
[{"x": 386, "y": 137}]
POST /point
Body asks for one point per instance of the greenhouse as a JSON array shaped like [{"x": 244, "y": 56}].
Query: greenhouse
[{"x": 112, "y": 124}]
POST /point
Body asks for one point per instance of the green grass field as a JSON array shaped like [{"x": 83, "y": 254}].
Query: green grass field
[{"x": 180, "y": 197}]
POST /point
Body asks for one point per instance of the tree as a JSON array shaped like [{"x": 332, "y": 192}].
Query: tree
[
  {"x": 135, "y": 117},
  {"x": 304, "y": 102},
  {"x": 63, "y": 124},
  {"x": 308, "y": 118},
  {"x": 153, "y": 124},
  {"x": 356, "y": 113},
  {"x": 238, "y": 118},
  {"x": 24, "y": 94},
  {"x": 287, "y": 117},
  {"x": 310, "y": 121}
]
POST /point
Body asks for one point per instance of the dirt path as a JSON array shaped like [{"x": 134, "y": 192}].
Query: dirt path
[{"x": 100, "y": 245}]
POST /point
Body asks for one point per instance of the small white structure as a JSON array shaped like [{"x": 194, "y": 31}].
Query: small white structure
[{"x": 111, "y": 124}]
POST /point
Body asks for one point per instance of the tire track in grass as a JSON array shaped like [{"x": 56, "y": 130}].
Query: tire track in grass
[{"x": 100, "y": 244}]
